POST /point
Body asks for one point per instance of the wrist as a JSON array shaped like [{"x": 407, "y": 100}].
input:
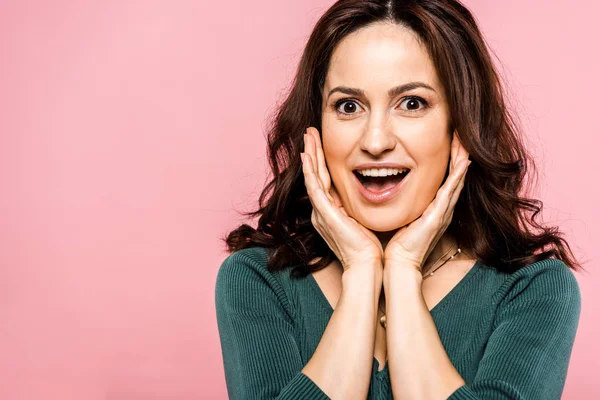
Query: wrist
[
  {"x": 364, "y": 269},
  {"x": 402, "y": 271},
  {"x": 362, "y": 275}
]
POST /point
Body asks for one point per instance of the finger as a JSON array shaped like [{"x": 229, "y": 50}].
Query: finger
[
  {"x": 317, "y": 196},
  {"x": 461, "y": 152},
  {"x": 445, "y": 193},
  {"x": 453, "y": 150},
  {"x": 454, "y": 199},
  {"x": 458, "y": 152},
  {"x": 307, "y": 148},
  {"x": 311, "y": 188},
  {"x": 311, "y": 151},
  {"x": 454, "y": 196},
  {"x": 461, "y": 172},
  {"x": 458, "y": 190},
  {"x": 443, "y": 202},
  {"x": 322, "y": 166}
]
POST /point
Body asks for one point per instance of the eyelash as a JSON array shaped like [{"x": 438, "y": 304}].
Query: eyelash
[{"x": 346, "y": 100}]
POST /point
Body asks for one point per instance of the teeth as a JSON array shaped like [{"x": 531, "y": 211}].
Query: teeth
[{"x": 381, "y": 171}]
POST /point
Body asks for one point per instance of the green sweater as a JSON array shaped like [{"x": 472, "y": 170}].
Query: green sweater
[{"x": 509, "y": 336}]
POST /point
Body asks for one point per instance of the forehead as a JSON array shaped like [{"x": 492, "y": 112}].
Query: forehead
[{"x": 381, "y": 54}]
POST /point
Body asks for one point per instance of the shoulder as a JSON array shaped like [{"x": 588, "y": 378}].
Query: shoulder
[
  {"x": 548, "y": 284},
  {"x": 243, "y": 281},
  {"x": 243, "y": 267},
  {"x": 254, "y": 258},
  {"x": 548, "y": 277}
]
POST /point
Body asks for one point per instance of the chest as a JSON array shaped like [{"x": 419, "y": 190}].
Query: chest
[{"x": 434, "y": 288}]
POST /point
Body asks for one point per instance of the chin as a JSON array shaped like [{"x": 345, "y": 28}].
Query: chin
[{"x": 383, "y": 222}]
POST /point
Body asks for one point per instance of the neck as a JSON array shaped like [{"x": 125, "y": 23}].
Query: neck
[{"x": 446, "y": 242}]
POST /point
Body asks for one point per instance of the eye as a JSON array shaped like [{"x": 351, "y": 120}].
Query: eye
[
  {"x": 413, "y": 101},
  {"x": 349, "y": 106},
  {"x": 347, "y": 110}
]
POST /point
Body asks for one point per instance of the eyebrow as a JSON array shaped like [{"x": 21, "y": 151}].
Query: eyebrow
[{"x": 392, "y": 92}]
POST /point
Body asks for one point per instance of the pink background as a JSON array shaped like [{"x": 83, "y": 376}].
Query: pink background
[{"x": 131, "y": 130}]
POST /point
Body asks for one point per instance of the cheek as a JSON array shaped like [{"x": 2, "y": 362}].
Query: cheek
[
  {"x": 429, "y": 144},
  {"x": 337, "y": 149},
  {"x": 335, "y": 160},
  {"x": 431, "y": 173},
  {"x": 431, "y": 155},
  {"x": 337, "y": 153}
]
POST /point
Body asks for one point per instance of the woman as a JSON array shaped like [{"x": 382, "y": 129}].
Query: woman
[{"x": 395, "y": 254}]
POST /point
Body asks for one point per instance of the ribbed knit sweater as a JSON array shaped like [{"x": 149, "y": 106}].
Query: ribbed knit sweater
[{"x": 509, "y": 336}]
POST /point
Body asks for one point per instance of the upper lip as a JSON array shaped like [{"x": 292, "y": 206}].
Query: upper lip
[{"x": 380, "y": 165}]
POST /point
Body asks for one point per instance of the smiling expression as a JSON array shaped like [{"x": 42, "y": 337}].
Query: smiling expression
[{"x": 383, "y": 102}]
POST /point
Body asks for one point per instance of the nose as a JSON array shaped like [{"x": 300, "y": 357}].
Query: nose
[{"x": 378, "y": 137}]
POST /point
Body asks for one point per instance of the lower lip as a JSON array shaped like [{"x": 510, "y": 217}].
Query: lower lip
[{"x": 382, "y": 195}]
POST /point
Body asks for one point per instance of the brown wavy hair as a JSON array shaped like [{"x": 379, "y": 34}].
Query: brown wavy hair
[{"x": 493, "y": 219}]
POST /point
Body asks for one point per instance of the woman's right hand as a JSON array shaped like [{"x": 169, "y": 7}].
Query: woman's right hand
[{"x": 352, "y": 243}]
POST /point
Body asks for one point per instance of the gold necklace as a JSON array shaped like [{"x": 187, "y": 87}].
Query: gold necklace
[{"x": 382, "y": 320}]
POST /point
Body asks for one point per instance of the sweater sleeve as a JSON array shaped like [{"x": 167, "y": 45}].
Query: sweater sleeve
[
  {"x": 528, "y": 352},
  {"x": 260, "y": 350}
]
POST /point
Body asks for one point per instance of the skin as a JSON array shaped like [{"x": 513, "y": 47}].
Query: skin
[
  {"x": 375, "y": 127},
  {"x": 408, "y": 232}
]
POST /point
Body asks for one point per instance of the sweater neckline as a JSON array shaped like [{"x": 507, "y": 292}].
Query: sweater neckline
[{"x": 455, "y": 291}]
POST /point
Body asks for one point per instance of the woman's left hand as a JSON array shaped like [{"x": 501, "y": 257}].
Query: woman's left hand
[{"x": 413, "y": 243}]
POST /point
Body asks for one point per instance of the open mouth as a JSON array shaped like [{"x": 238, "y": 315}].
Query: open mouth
[{"x": 381, "y": 183}]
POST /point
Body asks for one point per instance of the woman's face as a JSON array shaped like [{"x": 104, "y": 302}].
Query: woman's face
[{"x": 367, "y": 125}]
